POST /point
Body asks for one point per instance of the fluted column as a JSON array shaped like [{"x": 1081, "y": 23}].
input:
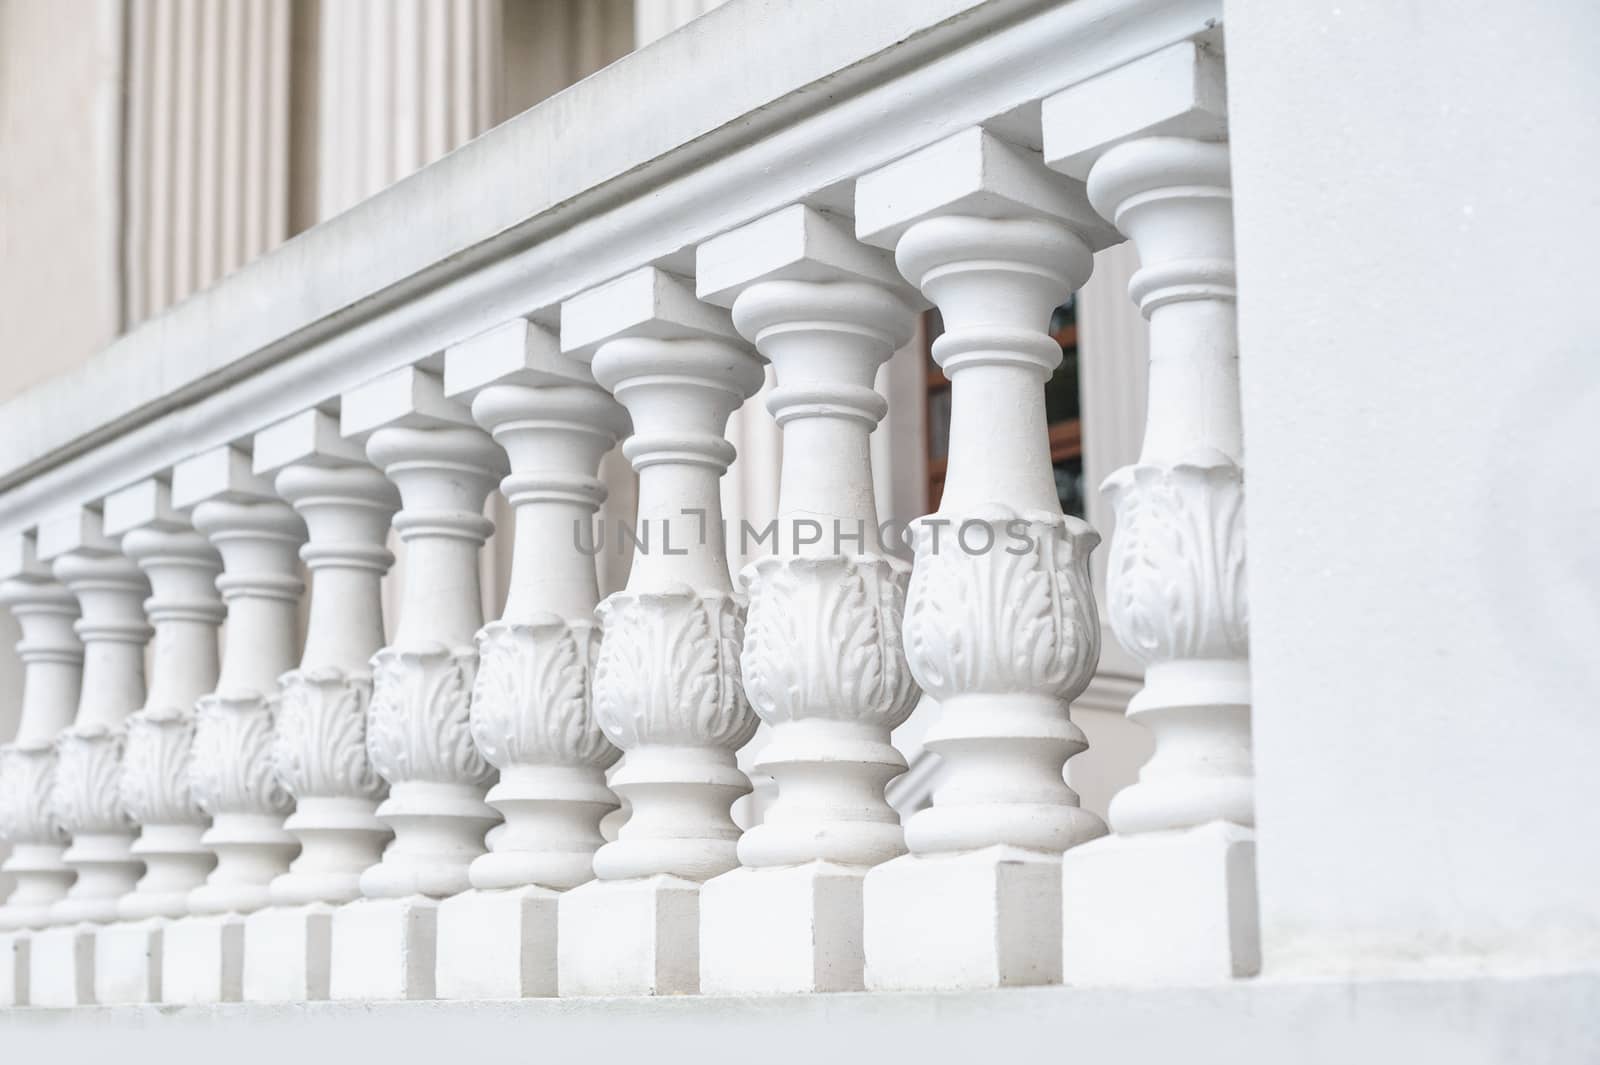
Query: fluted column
[
  {"x": 417, "y": 725},
  {"x": 822, "y": 659},
  {"x": 531, "y": 701},
  {"x": 1173, "y": 891},
  {"x": 666, "y": 687},
  {"x": 52, "y": 658},
  {"x": 1000, "y": 625}
]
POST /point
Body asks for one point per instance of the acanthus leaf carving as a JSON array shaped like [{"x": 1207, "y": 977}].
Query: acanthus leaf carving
[
  {"x": 154, "y": 784},
  {"x": 418, "y": 723},
  {"x": 668, "y": 671},
  {"x": 230, "y": 770},
  {"x": 1176, "y": 579},
  {"x": 320, "y": 738},
  {"x": 531, "y": 700},
  {"x": 85, "y": 797},
  {"x": 27, "y": 779}
]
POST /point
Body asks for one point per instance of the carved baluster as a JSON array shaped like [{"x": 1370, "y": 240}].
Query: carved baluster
[
  {"x": 531, "y": 713},
  {"x": 822, "y": 660},
  {"x": 231, "y": 770},
  {"x": 1000, "y": 624},
  {"x": 319, "y": 743},
  {"x": 185, "y": 610},
  {"x": 1171, "y": 896},
  {"x": 52, "y": 658},
  {"x": 417, "y": 725},
  {"x": 110, "y": 590},
  {"x": 666, "y": 686}
]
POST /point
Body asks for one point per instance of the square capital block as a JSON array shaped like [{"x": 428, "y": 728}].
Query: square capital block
[
  {"x": 498, "y": 944},
  {"x": 410, "y": 397},
  {"x": 1179, "y": 91},
  {"x": 798, "y": 243},
  {"x": 202, "y": 960},
  {"x": 629, "y": 937},
  {"x": 384, "y": 949},
  {"x": 1161, "y": 908},
  {"x": 61, "y": 966},
  {"x": 518, "y": 352},
  {"x": 19, "y": 557},
  {"x": 127, "y": 962},
  {"x": 648, "y": 302},
  {"x": 144, "y": 504},
  {"x": 76, "y": 529},
  {"x": 287, "y": 952},
  {"x": 806, "y": 920},
  {"x": 223, "y": 473},
  {"x": 971, "y": 173},
  {"x": 14, "y": 968},
  {"x": 310, "y": 437},
  {"x": 987, "y": 919}
]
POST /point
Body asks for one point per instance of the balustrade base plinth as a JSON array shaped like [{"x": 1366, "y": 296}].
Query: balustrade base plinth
[
  {"x": 1161, "y": 907},
  {"x": 806, "y": 918},
  {"x": 127, "y": 962},
  {"x": 287, "y": 953},
  {"x": 61, "y": 966},
  {"x": 14, "y": 968},
  {"x": 989, "y": 918},
  {"x": 202, "y": 959},
  {"x": 385, "y": 949},
  {"x": 498, "y": 944},
  {"x": 630, "y": 937}
]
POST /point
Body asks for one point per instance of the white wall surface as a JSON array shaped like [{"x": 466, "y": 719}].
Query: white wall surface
[{"x": 1417, "y": 220}]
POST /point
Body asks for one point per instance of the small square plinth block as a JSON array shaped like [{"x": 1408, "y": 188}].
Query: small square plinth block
[
  {"x": 14, "y": 967},
  {"x": 127, "y": 962},
  {"x": 202, "y": 959},
  {"x": 991, "y": 918},
  {"x": 61, "y": 966},
  {"x": 287, "y": 953},
  {"x": 630, "y": 937},
  {"x": 498, "y": 944},
  {"x": 1161, "y": 907},
  {"x": 807, "y": 920},
  {"x": 384, "y": 949}
]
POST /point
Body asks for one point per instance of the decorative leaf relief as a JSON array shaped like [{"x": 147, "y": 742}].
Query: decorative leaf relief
[
  {"x": 1019, "y": 617},
  {"x": 27, "y": 779},
  {"x": 85, "y": 798},
  {"x": 320, "y": 740},
  {"x": 1176, "y": 581},
  {"x": 668, "y": 671},
  {"x": 418, "y": 725},
  {"x": 231, "y": 768},
  {"x": 531, "y": 698},
  {"x": 155, "y": 768},
  {"x": 822, "y": 640}
]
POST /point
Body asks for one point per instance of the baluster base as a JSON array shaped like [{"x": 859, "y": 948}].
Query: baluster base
[
  {"x": 287, "y": 952},
  {"x": 1162, "y": 907},
  {"x": 807, "y": 919},
  {"x": 61, "y": 966},
  {"x": 629, "y": 937},
  {"x": 127, "y": 962},
  {"x": 384, "y": 949},
  {"x": 202, "y": 959},
  {"x": 989, "y": 918},
  {"x": 14, "y": 968},
  {"x": 498, "y": 944}
]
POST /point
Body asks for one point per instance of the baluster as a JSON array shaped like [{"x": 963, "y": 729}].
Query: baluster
[
  {"x": 319, "y": 739},
  {"x": 231, "y": 770},
  {"x": 531, "y": 706},
  {"x": 185, "y": 611},
  {"x": 1000, "y": 625},
  {"x": 417, "y": 725},
  {"x": 110, "y": 590},
  {"x": 666, "y": 686},
  {"x": 1171, "y": 896},
  {"x": 822, "y": 661},
  {"x": 52, "y": 658}
]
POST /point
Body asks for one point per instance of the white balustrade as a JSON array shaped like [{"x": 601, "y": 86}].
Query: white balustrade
[
  {"x": 1171, "y": 896},
  {"x": 822, "y": 659},
  {"x": 231, "y": 768},
  {"x": 532, "y": 714},
  {"x": 418, "y": 733},
  {"x": 666, "y": 686}
]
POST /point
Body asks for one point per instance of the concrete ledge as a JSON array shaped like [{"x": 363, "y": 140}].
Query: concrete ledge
[{"x": 1550, "y": 1019}]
